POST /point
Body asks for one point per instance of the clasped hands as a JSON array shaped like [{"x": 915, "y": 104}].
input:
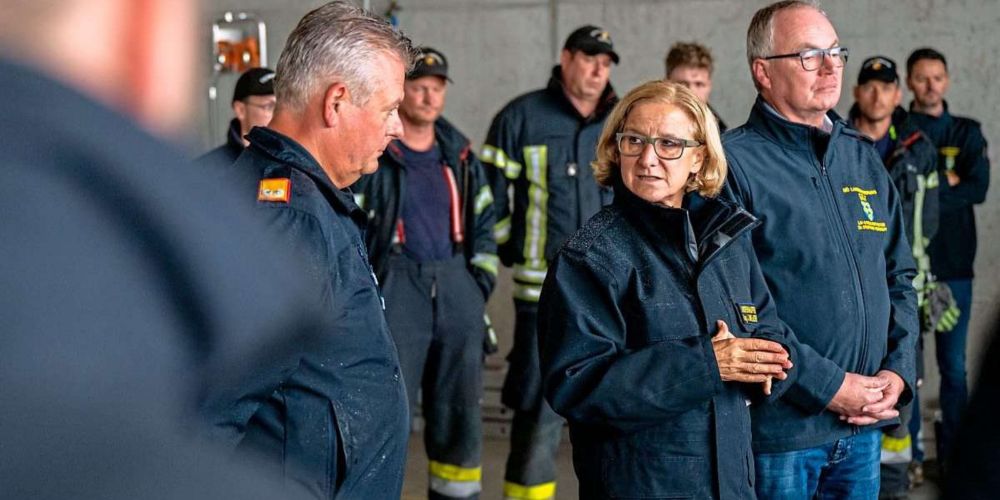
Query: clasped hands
[{"x": 863, "y": 400}]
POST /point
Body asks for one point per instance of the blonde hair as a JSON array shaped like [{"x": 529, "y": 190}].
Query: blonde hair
[{"x": 709, "y": 179}]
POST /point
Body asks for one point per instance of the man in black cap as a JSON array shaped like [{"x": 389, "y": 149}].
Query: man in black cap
[
  {"x": 430, "y": 240},
  {"x": 253, "y": 105},
  {"x": 910, "y": 159},
  {"x": 541, "y": 145}
]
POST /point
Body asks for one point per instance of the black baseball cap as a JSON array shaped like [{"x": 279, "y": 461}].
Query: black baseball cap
[
  {"x": 255, "y": 81},
  {"x": 430, "y": 62},
  {"x": 878, "y": 68},
  {"x": 591, "y": 40}
]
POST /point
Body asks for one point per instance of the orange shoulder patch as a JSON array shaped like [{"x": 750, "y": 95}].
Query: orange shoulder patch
[{"x": 275, "y": 190}]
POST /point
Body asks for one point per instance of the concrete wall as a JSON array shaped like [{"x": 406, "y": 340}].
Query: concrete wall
[{"x": 501, "y": 48}]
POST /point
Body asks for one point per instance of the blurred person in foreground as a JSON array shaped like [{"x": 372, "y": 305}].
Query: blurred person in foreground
[
  {"x": 131, "y": 282},
  {"x": 635, "y": 314},
  {"x": 339, "y": 424}
]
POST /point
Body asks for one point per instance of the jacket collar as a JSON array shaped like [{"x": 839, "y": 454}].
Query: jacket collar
[
  {"x": 607, "y": 100},
  {"x": 787, "y": 134},
  {"x": 945, "y": 115},
  {"x": 454, "y": 146},
  {"x": 284, "y": 150},
  {"x": 700, "y": 229}
]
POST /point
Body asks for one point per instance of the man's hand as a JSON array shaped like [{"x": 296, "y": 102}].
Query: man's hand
[
  {"x": 885, "y": 408},
  {"x": 856, "y": 393},
  {"x": 953, "y": 178},
  {"x": 749, "y": 360}
]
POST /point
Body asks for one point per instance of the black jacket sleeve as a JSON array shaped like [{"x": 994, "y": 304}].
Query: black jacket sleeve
[
  {"x": 973, "y": 168},
  {"x": 591, "y": 377}
]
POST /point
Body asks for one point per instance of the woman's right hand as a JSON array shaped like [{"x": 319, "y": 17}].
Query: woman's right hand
[{"x": 748, "y": 359}]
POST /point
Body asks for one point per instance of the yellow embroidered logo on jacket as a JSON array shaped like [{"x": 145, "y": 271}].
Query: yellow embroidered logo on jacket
[
  {"x": 870, "y": 224},
  {"x": 275, "y": 190},
  {"x": 749, "y": 313},
  {"x": 949, "y": 153}
]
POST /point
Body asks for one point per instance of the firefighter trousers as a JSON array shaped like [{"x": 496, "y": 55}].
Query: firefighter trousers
[{"x": 435, "y": 312}]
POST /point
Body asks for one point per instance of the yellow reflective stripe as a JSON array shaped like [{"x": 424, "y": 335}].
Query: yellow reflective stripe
[
  {"x": 932, "y": 180},
  {"x": 896, "y": 445},
  {"x": 452, "y": 472},
  {"x": 529, "y": 293},
  {"x": 487, "y": 262},
  {"x": 492, "y": 155},
  {"x": 514, "y": 491},
  {"x": 483, "y": 199},
  {"x": 488, "y": 154},
  {"x": 501, "y": 230},
  {"x": 537, "y": 216},
  {"x": 530, "y": 272},
  {"x": 513, "y": 169}
]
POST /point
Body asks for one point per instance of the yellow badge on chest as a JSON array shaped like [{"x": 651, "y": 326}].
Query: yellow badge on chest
[
  {"x": 749, "y": 313},
  {"x": 279, "y": 190}
]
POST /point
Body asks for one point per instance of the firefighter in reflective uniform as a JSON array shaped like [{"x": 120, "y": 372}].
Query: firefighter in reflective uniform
[
  {"x": 540, "y": 146},
  {"x": 431, "y": 243},
  {"x": 910, "y": 159}
]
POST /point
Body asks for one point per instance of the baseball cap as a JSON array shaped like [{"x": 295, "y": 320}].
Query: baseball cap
[
  {"x": 878, "y": 68},
  {"x": 255, "y": 81},
  {"x": 591, "y": 40},
  {"x": 430, "y": 62}
]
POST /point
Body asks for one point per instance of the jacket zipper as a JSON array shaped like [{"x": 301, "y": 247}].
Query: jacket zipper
[{"x": 834, "y": 212}]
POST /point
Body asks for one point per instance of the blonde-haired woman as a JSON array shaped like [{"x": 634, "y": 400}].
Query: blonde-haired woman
[{"x": 656, "y": 325}]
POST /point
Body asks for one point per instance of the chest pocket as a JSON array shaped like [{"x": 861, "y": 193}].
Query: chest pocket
[{"x": 654, "y": 322}]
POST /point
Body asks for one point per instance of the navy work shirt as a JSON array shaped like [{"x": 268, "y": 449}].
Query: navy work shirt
[{"x": 426, "y": 205}]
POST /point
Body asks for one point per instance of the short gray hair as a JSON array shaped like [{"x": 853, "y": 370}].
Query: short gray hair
[
  {"x": 337, "y": 40},
  {"x": 760, "y": 35}
]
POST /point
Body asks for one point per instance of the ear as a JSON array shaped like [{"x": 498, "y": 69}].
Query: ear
[
  {"x": 565, "y": 57},
  {"x": 856, "y": 92},
  {"x": 240, "y": 110},
  {"x": 698, "y": 160},
  {"x": 761, "y": 75},
  {"x": 335, "y": 100},
  {"x": 897, "y": 96}
]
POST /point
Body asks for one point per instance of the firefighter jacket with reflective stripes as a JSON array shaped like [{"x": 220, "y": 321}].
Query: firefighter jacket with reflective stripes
[
  {"x": 381, "y": 195},
  {"x": 626, "y": 320},
  {"x": 962, "y": 149},
  {"x": 912, "y": 166},
  {"x": 339, "y": 424},
  {"x": 833, "y": 249},
  {"x": 541, "y": 147}
]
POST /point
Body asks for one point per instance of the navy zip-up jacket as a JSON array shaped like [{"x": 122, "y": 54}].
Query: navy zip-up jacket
[
  {"x": 339, "y": 424},
  {"x": 962, "y": 147},
  {"x": 833, "y": 248},
  {"x": 626, "y": 321},
  {"x": 226, "y": 154}
]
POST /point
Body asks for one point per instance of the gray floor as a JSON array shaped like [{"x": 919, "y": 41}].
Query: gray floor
[{"x": 494, "y": 456}]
